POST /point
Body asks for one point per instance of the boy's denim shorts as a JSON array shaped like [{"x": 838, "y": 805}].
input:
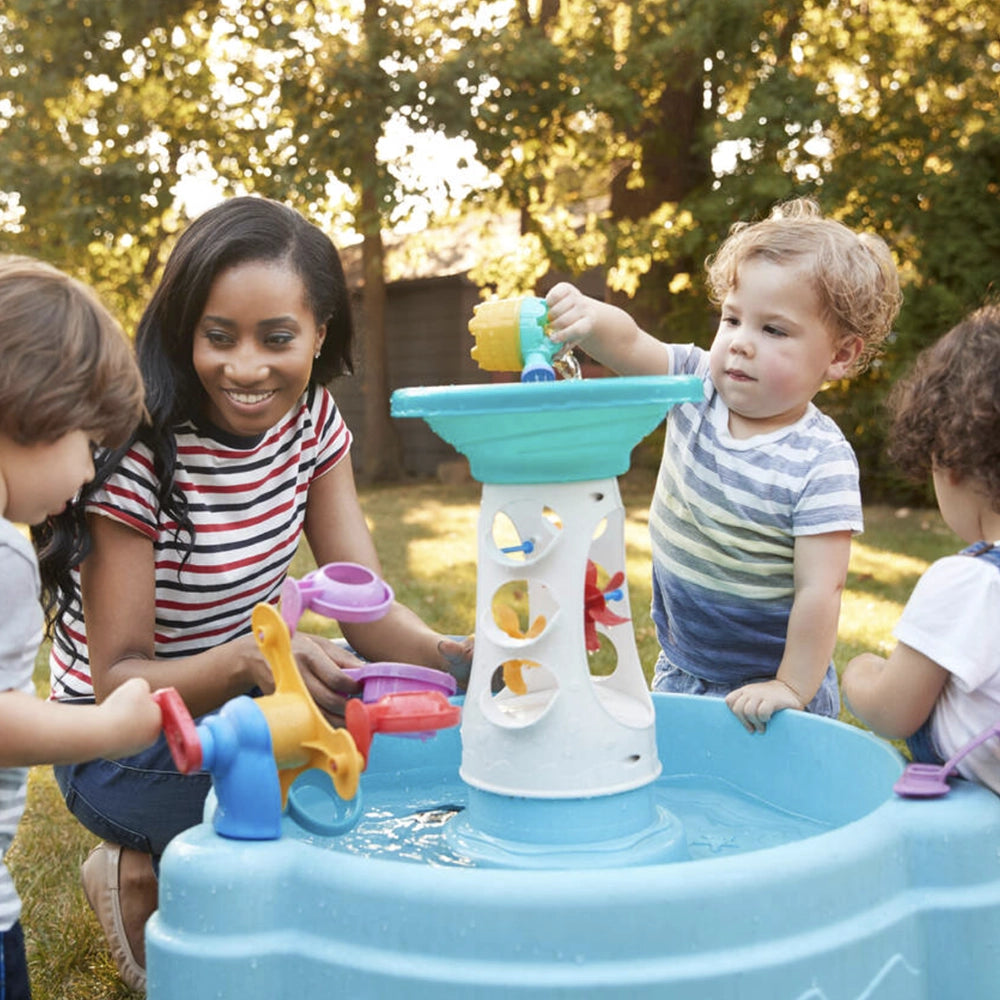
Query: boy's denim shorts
[
  {"x": 14, "y": 983},
  {"x": 670, "y": 679},
  {"x": 922, "y": 747}
]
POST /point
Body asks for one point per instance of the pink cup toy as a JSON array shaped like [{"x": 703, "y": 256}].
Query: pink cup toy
[
  {"x": 382, "y": 679},
  {"x": 346, "y": 592},
  {"x": 406, "y": 713}
]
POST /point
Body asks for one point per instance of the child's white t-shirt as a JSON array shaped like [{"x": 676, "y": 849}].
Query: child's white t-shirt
[{"x": 953, "y": 617}]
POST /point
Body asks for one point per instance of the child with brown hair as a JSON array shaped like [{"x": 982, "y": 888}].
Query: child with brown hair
[
  {"x": 757, "y": 495},
  {"x": 940, "y": 686},
  {"x": 67, "y": 381}
]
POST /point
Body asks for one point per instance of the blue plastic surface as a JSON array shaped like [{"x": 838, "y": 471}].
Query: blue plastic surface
[
  {"x": 236, "y": 750},
  {"x": 890, "y": 900},
  {"x": 587, "y": 430},
  {"x": 537, "y": 351}
]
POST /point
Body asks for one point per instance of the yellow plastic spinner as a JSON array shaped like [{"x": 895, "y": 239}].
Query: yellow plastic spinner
[
  {"x": 301, "y": 738},
  {"x": 496, "y": 328}
]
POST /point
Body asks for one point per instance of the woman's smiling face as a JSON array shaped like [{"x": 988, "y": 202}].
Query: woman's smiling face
[{"x": 254, "y": 346}]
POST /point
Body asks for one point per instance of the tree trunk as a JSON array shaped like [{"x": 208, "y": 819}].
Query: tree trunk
[
  {"x": 381, "y": 452},
  {"x": 672, "y": 167}
]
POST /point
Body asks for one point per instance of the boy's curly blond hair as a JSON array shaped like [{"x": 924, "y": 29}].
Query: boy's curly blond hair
[{"x": 853, "y": 274}]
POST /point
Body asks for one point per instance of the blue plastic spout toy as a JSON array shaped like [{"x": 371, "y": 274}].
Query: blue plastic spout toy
[
  {"x": 511, "y": 336},
  {"x": 236, "y": 749},
  {"x": 255, "y": 749}
]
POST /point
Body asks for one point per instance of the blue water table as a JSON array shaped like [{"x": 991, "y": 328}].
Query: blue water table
[{"x": 577, "y": 836}]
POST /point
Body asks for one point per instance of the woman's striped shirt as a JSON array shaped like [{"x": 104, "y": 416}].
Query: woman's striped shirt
[{"x": 247, "y": 501}]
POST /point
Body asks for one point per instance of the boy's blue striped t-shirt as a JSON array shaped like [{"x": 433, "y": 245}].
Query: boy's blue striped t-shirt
[{"x": 723, "y": 523}]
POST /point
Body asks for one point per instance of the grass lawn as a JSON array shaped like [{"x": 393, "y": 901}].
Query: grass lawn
[{"x": 426, "y": 535}]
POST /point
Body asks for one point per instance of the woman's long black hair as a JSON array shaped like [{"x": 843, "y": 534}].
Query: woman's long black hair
[{"x": 239, "y": 231}]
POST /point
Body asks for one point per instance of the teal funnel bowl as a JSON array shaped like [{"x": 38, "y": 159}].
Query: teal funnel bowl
[{"x": 547, "y": 432}]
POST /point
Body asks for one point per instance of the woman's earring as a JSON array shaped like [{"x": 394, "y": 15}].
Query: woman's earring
[{"x": 317, "y": 354}]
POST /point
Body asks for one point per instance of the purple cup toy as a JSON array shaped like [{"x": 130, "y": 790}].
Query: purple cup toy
[
  {"x": 346, "y": 592},
  {"x": 380, "y": 679},
  {"x": 927, "y": 781}
]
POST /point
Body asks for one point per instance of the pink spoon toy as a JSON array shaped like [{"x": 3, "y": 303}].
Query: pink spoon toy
[{"x": 927, "y": 781}]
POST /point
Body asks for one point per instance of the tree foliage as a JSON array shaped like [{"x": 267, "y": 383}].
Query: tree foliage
[
  {"x": 690, "y": 116},
  {"x": 629, "y": 135},
  {"x": 104, "y": 105}
]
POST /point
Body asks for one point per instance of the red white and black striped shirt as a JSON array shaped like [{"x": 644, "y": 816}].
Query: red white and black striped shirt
[{"x": 247, "y": 502}]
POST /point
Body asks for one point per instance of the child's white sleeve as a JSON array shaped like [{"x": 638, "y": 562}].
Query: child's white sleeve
[{"x": 952, "y": 618}]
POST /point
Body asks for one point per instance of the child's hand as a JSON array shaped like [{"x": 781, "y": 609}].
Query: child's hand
[
  {"x": 572, "y": 316},
  {"x": 133, "y": 718},
  {"x": 754, "y": 704}
]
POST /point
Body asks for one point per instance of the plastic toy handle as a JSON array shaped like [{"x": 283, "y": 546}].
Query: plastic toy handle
[
  {"x": 291, "y": 604},
  {"x": 986, "y": 734},
  {"x": 346, "y": 763},
  {"x": 179, "y": 730},
  {"x": 403, "y": 712},
  {"x": 320, "y": 809},
  {"x": 300, "y": 736}
]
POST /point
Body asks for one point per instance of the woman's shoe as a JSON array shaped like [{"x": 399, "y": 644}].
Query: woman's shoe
[{"x": 100, "y": 877}]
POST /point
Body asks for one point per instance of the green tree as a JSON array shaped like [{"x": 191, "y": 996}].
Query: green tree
[
  {"x": 600, "y": 120},
  {"x": 322, "y": 84},
  {"x": 106, "y": 108},
  {"x": 103, "y": 105},
  {"x": 910, "y": 123},
  {"x": 628, "y": 135},
  {"x": 708, "y": 112}
]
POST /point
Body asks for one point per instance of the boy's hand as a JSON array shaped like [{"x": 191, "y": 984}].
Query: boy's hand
[
  {"x": 572, "y": 316},
  {"x": 134, "y": 719},
  {"x": 754, "y": 704}
]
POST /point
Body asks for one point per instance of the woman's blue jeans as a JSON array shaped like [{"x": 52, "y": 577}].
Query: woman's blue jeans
[{"x": 141, "y": 802}]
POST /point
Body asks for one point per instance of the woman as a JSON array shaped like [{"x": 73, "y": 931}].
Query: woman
[{"x": 199, "y": 519}]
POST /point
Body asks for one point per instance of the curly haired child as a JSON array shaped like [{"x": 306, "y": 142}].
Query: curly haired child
[{"x": 940, "y": 686}]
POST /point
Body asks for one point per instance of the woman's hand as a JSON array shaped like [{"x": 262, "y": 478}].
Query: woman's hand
[
  {"x": 456, "y": 656},
  {"x": 321, "y": 664}
]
